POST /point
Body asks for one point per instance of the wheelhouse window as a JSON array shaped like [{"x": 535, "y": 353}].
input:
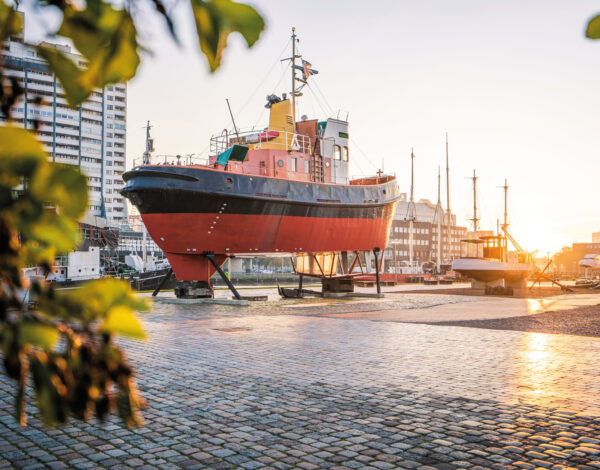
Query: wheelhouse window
[
  {"x": 294, "y": 164},
  {"x": 337, "y": 152},
  {"x": 345, "y": 154},
  {"x": 306, "y": 166}
]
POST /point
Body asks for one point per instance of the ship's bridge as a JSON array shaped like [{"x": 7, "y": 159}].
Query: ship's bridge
[{"x": 307, "y": 150}]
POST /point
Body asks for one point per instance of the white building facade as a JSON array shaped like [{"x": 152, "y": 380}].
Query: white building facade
[
  {"x": 425, "y": 236},
  {"x": 91, "y": 136}
]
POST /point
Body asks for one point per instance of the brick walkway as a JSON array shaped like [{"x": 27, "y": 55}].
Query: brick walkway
[{"x": 238, "y": 389}]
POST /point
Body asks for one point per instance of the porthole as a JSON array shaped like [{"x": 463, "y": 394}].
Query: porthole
[{"x": 279, "y": 162}]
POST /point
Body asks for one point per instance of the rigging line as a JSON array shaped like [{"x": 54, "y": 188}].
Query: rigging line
[
  {"x": 362, "y": 172},
  {"x": 331, "y": 112},
  {"x": 317, "y": 100},
  {"x": 275, "y": 88},
  {"x": 363, "y": 153},
  {"x": 485, "y": 213},
  {"x": 261, "y": 83},
  {"x": 324, "y": 98}
]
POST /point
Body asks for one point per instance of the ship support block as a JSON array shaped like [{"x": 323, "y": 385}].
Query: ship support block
[{"x": 193, "y": 290}]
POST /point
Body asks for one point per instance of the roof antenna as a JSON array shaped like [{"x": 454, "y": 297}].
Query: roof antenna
[{"x": 233, "y": 120}]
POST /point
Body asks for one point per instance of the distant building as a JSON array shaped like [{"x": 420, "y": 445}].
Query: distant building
[
  {"x": 91, "y": 136},
  {"x": 425, "y": 235},
  {"x": 567, "y": 260},
  {"x": 596, "y": 237}
]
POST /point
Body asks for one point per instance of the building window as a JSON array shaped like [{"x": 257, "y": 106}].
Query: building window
[
  {"x": 109, "y": 106},
  {"x": 345, "y": 154},
  {"x": 294, "y": 164},
  {"x": 337, "y": 152}
]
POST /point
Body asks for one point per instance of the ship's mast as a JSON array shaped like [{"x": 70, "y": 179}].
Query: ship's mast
[
  {"x": 294, "y": 73},
  {"x": 149, "y": 145},
  {"x": 448, "y": 216},
  {"x": 439, "y": 212},
  {"x": 505, "y": 224},
  {"x": 411, "y": 207},
  {"x": 475, "y": 219}
]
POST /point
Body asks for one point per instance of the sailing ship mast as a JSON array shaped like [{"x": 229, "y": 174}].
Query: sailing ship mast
[
  {"x": 475, "y": 219},
  {"x": 505, "y": 224},
  {"x": 448, "y": 216},
  {"x": 439, "y": 214},
  {"x": 411, "y": 212}
]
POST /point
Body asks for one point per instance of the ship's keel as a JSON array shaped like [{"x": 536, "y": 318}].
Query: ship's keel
[{"x": 195, "y": 272}]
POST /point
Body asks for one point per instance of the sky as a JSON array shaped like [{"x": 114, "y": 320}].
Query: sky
[{"x": 513, "y": 83}]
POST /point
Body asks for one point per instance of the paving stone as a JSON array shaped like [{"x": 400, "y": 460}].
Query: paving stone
[{"x": 350, "y": 394}]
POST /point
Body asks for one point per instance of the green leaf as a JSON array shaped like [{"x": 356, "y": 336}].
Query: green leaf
[
  {"x": 92, "y": 301},
  {"x": 593, "y": 28},
  {"x": 11, "y": 21},
  {"x": 106, "y": 37},
  {"x": 62, "y": 185},
  {"x": 20, "y": 151},
  {"x": 69, "y": 74},
  {"x": 216, "y": 19},
  {"x": 45, "y": 213},
  {"x": 123, "y": 321},
  {"x": 37, "y": 334}
]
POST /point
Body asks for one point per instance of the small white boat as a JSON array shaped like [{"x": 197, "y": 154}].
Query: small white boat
[
  {"x": 496, "y": 262},
  {"x": 489, "y": 271}
]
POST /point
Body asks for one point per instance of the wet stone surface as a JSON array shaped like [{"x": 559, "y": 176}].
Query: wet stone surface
[{"x": 238, "y": 389}]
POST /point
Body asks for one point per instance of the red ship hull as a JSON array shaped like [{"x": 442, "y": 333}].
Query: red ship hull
[
  {"x": 191, "y": 212},
  {"x": 188, "y": 235}
]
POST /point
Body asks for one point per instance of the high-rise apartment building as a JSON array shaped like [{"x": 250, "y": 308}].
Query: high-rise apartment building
[{"x": 91, "y": 136}]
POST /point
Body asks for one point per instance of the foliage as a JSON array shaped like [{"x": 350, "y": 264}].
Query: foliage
[
  {"x": 40, "y": 203},
  {"x": 593, "y": 28},
  {"x": 64, "y": 340},
  {"x": 216, "y": 19}
]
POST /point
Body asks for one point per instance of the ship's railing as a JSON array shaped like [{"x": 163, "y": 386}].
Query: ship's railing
[
  {"x": 172, "y": 160},
  {"x": 283, "y": 140},
  {"x": 279, "y": 172}
]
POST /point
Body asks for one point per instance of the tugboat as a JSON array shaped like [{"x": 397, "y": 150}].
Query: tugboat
[{"x": 283, "y": 189}]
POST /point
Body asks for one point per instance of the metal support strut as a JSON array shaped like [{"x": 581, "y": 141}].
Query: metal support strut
[
  {"x": 211, "y": 258},
  {"x": 376, "y": 252},
  {"x": 162, "y": 283}
]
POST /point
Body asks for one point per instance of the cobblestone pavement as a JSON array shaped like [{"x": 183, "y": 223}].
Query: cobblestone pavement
[{"x": 228, "y": 389}]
